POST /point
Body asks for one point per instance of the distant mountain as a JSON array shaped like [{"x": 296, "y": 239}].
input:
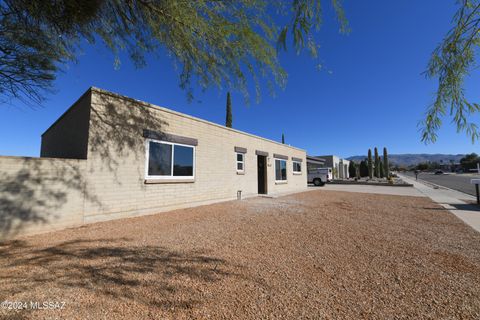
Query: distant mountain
[{"x": 414, "y": 159}]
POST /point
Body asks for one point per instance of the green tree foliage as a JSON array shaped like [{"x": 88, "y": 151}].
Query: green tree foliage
[
  {"x": 422, "y": 166},
  {"x": 451, "y": 62},
  {"x": 377, "y": 164},
  {"x": 283, "y": 138},
  {"x": 470, "y": 161},
  {"x": 381, "y": 173},
  {"x": 386, "y": 165},
  {"x": 400, "y": 168},
  {"x": 212, "y": 43},
  {"x": 364, "y": 168},
  {"x": 370, "y": 164},
  {"x": 228, "y": 120},
  {"x": 352, "y": 169},
  {"x": 428, "y": 166}
]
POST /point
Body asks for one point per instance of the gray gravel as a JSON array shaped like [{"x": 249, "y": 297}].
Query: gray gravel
[{"x": 319, "y": 254}]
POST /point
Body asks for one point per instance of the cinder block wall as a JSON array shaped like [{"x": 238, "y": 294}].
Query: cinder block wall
[
  {"x": 40, "y": 194},
  {"x": 116, "y": 160},
  {"x": 45, "y": 194}
]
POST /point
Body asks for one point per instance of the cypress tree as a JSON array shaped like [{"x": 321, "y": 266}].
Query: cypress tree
[
  {"x": 283, "y": 138},
  {"x": 352, "y": 169},
  {"x": 370, "y": 164},
  {"x": 386, "y": 168},
  {"x": 363, "y": 168},
  {"x": 381, "y": 172},
  {"x": 228, "y": 120},
  {"x": 377, "y": 163}
]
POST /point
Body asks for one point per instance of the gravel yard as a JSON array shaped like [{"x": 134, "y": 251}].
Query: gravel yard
[{"x": 319, "y": 254}]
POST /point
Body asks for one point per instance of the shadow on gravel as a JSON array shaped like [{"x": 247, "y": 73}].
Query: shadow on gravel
[
  {"x": 148, "y": 275},
  {"x": 466, "y": 207}
]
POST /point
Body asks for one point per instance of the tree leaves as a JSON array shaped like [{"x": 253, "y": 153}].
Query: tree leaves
[
  {"x": 214, "y": 43},
  {"x": 451, "y": 63}
]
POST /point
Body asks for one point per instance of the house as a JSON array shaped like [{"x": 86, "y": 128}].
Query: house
[
  {"x": 315, "y": 162},
  {"x": 110, "y": 156},
  {"x": 339, "y": 166}
]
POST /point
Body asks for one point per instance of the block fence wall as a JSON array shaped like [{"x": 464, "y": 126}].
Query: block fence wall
[{"x": 40, "y": 194}]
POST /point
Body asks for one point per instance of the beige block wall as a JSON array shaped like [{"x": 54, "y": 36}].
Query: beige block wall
[
  {"x": 68, "y": 136},
  {"x": 116, "y": 160},
  {"x": 40, "y": 194}
]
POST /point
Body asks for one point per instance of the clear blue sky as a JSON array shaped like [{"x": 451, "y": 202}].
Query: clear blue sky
[{"x": 370, "y": 93}]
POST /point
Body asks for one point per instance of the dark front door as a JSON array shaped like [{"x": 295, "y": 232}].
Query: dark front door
[{"x": 262, "y": 174}]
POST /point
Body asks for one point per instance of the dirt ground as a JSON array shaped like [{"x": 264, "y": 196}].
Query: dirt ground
[{"x": 315, "y": 255}]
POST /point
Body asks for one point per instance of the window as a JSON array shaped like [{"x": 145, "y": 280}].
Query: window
[
  {"x": 280, "y": 170},
  {"x": 167, "y": 160},
  {"x": 297, "y": 167},
  {"x": 240, "y": 162}
]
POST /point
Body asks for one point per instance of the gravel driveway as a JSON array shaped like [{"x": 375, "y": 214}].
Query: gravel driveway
[{"x": 315, "y": 255}]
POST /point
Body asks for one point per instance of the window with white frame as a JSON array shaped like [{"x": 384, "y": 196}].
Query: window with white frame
[
  {"x": 240, "y": 162},
  {"x": 167, "y": 160},
  {"x": 297, "y": 167},
  {"x": 280, "y": 170}
]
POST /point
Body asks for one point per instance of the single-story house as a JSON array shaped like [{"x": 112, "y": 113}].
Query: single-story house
[
  {"x": 109, "y": 156},
  {"x": 315, "y": 162},
  {"x": 339, "y": 166}
]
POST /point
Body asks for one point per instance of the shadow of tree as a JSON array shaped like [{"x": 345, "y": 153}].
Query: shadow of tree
[
  {"x": 111, "y": 269},
  {"x": 457, "y": 206},
  {"x": 40, "y": 191},
  {"x": 34, "y": 194},
  {"x": 466, "y": 206},
  {"x": 116, "y": 128}
]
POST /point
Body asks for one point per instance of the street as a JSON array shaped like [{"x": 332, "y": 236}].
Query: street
[{"x": 459, "y": 182}]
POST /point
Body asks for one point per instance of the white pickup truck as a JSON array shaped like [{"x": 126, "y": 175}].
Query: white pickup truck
[{"x": 319, "y": 176}]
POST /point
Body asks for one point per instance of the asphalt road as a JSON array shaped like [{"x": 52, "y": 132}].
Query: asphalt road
[{"x": 460, "y": 182}]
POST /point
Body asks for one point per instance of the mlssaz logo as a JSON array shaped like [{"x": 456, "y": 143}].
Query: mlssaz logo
[{"x": 47, "y": 305}]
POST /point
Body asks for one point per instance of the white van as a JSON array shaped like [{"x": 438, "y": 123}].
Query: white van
[{"x": 319, "y": 176}]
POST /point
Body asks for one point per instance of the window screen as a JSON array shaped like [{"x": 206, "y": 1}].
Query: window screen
[
  {"x": 240, "y": 162},
  {"x": 280, "y": 170},
  {"x": 183, "y": 161},
  {"x": 297, "y": 166},
  {"x": 159, "y": 159}
]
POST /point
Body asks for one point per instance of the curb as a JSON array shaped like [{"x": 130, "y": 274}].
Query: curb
[{"x": 372, "y": 184}]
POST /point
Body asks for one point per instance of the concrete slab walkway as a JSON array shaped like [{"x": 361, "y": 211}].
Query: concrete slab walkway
[{"x": 458, "y": 203}]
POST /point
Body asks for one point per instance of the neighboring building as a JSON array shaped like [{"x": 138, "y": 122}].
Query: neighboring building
[
  {"x": 110, "y": 157},
  {"x": 318, "y": 174},
  {"x": 338, "y": 165},
  {"x": 315, "y": 162}
]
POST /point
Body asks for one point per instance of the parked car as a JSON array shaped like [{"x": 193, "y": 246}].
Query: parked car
[
  {"x": 439, "y": 172},
  {"x": 319, "y": 176}
]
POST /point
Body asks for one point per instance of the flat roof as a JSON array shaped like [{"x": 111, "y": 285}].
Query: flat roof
[{"x": 313, "y": 159}]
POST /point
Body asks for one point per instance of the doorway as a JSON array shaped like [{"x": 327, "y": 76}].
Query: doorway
[{"x": 262, "y": 174}]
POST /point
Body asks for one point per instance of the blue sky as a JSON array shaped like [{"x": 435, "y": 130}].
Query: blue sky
[{"x": 370, "y": 92}]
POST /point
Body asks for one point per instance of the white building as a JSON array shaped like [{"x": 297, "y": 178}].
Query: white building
[{"x": 339, "y": 166}]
